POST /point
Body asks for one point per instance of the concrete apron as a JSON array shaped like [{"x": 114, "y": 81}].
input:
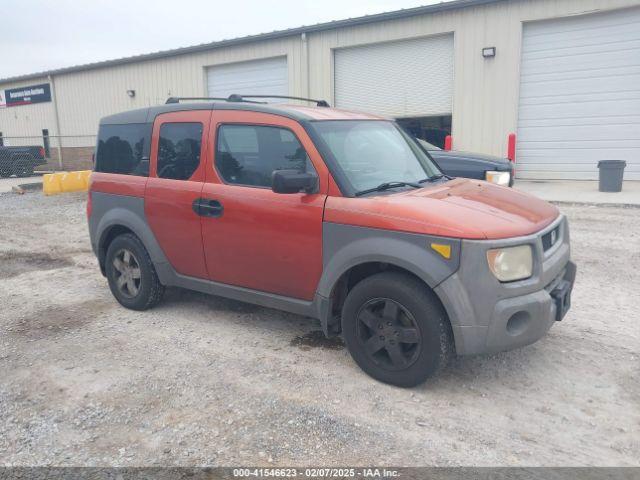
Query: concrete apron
[{"x": 580, "y": 191}]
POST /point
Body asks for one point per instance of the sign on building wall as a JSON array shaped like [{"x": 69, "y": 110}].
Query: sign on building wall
[{"x": 14, "y": 97}]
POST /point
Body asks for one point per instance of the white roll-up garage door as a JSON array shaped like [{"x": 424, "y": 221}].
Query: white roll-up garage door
[
  {"x": 397, "y": 79},
  {"x": 257, "y": 77},
  {"x": 580, "y": 96}
]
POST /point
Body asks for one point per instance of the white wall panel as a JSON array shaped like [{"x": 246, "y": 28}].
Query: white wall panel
[
  {"x": 258, "y": 77},
  {"x": 397, "y": 79},
  {"x": 485, "y": 91},
  {"x": 85, "y": 97},
  {"x": 580, "y": 95}
]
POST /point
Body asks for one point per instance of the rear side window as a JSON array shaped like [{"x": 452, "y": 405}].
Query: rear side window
[
  {"x": 179, "y": 150},
  {"x": 249, "y": 154},
  {"x": 124, "y": 149}
]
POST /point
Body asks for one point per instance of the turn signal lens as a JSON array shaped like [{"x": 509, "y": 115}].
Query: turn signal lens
[
  {"x": 442, "y": 249},
  {"x": 499, "y": 178},
  {"x": 512, "y": 263}
]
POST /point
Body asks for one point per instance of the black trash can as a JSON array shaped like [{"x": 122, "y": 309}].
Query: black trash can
[{"x": 611, "y": 174}]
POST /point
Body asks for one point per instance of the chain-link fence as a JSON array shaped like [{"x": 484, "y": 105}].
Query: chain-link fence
[{"x": 26, "y": 156}]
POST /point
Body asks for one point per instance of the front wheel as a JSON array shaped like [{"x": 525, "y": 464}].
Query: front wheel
[
  {"x": 132, "y": 277},
  {"x": 396, "y": 330}
]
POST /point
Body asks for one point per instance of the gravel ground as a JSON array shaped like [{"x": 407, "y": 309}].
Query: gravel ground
[{"x": 203, "y": 380}]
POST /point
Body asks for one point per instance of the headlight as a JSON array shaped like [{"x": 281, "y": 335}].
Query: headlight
[
  {"x": 512, "y": 263},
  {"x": 499, "y": 178}
]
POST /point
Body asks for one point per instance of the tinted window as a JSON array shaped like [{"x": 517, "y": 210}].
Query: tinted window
[
  {"x": 179, "y": 150},
  {"x": 123, "y": 149},
  {"x": 249, "y": 154}
]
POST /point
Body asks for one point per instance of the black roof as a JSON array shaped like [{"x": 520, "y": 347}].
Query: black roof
[{"x": 319, "y": 27}]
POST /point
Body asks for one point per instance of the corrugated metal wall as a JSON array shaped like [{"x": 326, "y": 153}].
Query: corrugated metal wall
[
  {"x": 485, "y": 93},
  {"x": 85, "y": 97}
]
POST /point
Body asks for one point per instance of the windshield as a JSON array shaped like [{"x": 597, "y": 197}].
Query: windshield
[{"x": 372, "y": 152}]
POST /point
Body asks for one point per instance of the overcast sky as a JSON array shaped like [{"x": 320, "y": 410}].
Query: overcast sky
[{"x": 41, "y": 35}]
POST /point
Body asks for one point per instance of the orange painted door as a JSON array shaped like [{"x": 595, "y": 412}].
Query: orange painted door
[
  {"x": 253, "y": 237},
  {"x": 177, "y": 171}
]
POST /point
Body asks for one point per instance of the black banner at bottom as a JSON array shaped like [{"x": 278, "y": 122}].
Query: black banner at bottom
[{"x": 430, "y": 473}]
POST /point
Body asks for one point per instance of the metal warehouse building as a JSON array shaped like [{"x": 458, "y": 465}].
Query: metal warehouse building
[{"x": 564, "y": 75}]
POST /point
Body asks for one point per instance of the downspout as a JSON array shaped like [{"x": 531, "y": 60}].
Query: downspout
[
  {"x": 305, "y": 61},
  {"x": 56, "y": 119}
]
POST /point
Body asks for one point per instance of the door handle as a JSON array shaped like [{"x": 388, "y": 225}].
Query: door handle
[{"x": 206, "y": 207}]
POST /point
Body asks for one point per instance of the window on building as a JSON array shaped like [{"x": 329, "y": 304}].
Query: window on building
[
  {"x": 179, "y": 150},
  {"x": 1, "y": 140},
  {"x": 123, "y": 149},
  {"x": 45, "y": 143},
  {"x": 249, "y": 154}
]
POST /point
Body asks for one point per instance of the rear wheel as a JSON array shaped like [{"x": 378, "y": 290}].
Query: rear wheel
[
  {"x": 396, "y": 330},
  {"x": 132, "y": 277}
]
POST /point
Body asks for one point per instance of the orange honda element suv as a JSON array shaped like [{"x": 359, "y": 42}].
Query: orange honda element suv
[{"x": 335, "y": 215}]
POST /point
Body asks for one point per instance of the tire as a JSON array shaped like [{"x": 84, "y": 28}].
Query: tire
[
  {"x": 132, "y": 277},
  {"x": 401, "y": 321}
]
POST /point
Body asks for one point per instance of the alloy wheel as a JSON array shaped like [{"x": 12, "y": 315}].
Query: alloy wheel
[
  {"x": 388, "y": 333},
  {"x": 127, "y": 273}
]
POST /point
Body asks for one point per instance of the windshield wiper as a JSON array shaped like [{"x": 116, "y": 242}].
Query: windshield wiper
[
  {"x": 435, "y": 177},
  {"x": 387, "y": 186}
]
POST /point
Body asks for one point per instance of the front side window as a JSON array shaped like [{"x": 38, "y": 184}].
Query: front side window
[
  {"x": 372, "y": 152},
  {"x": 179, "y": 150},
  {"x": 123, "y": 149},
  {"x": 249, "y": 154}
]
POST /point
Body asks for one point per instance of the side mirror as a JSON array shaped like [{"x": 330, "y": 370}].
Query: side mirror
[{"x": 293, "y": 181}]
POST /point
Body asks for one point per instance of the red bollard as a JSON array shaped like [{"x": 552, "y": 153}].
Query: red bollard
[
  {"x": 448, "y": 142},
  {"x": 511, "y": 147}
]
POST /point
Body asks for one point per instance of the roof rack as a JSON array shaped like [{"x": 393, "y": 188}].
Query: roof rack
[
  {"x": 217, "y": 99},
  {"x": 243, "y": 98}
]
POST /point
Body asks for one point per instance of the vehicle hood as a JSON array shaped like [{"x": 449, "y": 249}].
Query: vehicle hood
[
  {"x": 479, "y": 158},
  {"x": 459, "y": 208}
]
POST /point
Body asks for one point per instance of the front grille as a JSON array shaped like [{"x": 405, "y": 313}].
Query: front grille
[{"x": 550, "y": 238}]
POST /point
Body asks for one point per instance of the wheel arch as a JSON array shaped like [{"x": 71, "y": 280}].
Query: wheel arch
[
  {"x": 344, "y": 280},
  {"x": 356, "y": 252},
  {"x": 109, "y": 221},
  {"x": 108, "y": 235}
]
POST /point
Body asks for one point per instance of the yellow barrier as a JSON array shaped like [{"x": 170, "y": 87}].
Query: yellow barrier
[
  {"x": 54, "y": 183},
  {"x": 51, "y": 184}
]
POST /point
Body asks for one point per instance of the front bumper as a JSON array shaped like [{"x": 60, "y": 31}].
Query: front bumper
[{"x": 489, "y": 316}]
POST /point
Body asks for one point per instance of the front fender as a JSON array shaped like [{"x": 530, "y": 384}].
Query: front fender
[{"x": 345, "y": 246}]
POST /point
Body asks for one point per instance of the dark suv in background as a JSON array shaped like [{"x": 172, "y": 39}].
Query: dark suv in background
[{"x": 471, "y": 165}]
